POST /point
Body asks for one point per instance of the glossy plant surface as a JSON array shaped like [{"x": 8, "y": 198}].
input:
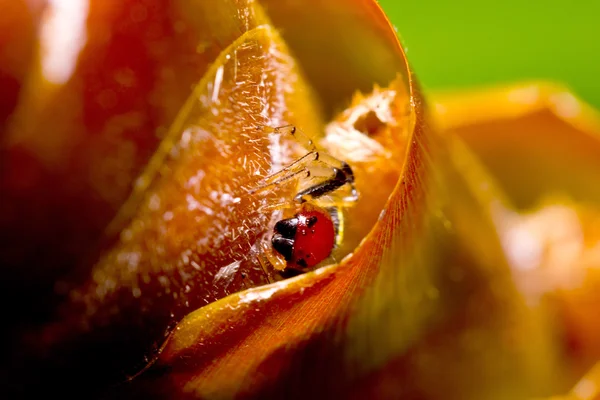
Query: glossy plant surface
[{"x": 133, "y": 138}]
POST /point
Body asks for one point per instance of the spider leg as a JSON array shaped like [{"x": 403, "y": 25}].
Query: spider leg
[
  {"x": 282, "y": 176},
  {"x": 305, "y": 141},
  {"x": 268, "y": 261},
  {"x": 308, "y": 144},
  {"x": 338, "y": 173},
  {"x": 292, "y": 130},
  {"x": 340, "y": 202},
  {"x": 312, "y": 156},
  {"x": 278, "y": 206},
  {"x": 340, "y": 177}
]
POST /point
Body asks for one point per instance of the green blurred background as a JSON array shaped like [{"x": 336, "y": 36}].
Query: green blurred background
[{"x": 454, "y": 44}]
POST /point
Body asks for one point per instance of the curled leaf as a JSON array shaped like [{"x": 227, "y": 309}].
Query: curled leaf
[
  {"x": 521, "y": 132},
  {"x": 542, "y": 146},
  {"x": 99, "y": 84},
  {"x": 145, "y": 254},
  {"x": 429, "y": 284}
]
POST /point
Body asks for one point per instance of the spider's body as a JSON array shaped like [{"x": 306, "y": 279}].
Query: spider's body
[
  {"x": 309, "y": 236},
  {"x": 305, "y": 239}
]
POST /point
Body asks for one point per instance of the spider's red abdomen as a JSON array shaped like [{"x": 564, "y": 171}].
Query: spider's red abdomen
[
  {"x": 307, "y": 239},
  {"x": 315, "y": 237}
]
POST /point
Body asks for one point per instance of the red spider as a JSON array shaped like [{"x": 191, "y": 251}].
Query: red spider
[{"x": 307, "y": 238}]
